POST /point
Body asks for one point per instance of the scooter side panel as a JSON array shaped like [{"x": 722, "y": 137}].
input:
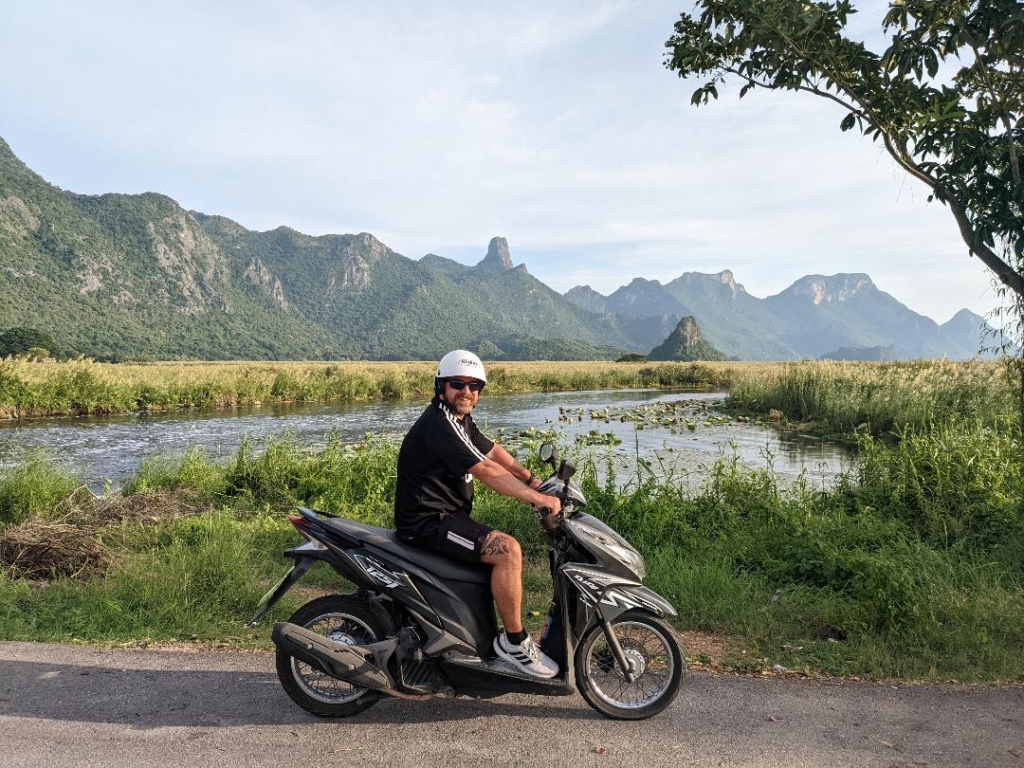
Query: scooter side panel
[{"x": 465, "y": 610}]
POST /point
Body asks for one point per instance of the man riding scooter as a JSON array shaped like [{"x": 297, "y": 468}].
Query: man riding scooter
[{"x": 439, "y": 459}]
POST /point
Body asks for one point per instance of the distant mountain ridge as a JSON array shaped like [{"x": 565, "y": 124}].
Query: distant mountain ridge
[
  {"x": 137, "y": 276},
  {"x": 814, "y": 316}
]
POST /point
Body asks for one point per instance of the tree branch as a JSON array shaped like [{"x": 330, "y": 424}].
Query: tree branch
[
  {"x": 809, "y": 89},
  {"x": 1006, "y": 274}
]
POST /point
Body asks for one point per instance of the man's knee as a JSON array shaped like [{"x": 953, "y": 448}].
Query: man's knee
[{"x": 500, "y": 546}]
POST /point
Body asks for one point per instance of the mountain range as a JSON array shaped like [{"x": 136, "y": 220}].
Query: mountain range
[
  {"x": 137, "y": 276},
  {"x": 816, "y": 316}
]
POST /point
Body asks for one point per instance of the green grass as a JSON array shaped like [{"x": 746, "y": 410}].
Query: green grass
[
  {"x": 33, "y": 487},
  {"x": 910, "y": 567}
]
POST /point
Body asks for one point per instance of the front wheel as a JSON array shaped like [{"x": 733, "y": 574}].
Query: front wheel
[
  {"x": 653, "y": 655},
  {"x": 344, "y": 619}
]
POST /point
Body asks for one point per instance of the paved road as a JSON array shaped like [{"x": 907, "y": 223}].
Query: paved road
[{"x": 84, "y": 706}]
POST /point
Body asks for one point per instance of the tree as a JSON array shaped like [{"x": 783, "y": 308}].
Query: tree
[
  {"x": 17, "y": 341},
  {"x": 945, "y": 98}
]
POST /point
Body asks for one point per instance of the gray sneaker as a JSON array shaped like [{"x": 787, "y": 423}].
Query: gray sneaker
[{"x": 527, "y": 656}]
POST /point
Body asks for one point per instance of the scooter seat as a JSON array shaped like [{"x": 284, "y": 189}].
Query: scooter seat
[{"x": 387, "y": 539}]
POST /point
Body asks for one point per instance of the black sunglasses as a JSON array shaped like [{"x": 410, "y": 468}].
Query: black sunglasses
[{"x": 458, "y": 385}]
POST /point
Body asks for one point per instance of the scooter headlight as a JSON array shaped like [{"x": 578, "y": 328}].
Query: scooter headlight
[{"x": 624, "y": 553}]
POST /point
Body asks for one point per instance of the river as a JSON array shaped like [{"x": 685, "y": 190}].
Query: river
[{"x": 679, "y": 433}]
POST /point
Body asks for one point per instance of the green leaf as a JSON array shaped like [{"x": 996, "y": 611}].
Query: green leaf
[{"x": 848, "y": 122}]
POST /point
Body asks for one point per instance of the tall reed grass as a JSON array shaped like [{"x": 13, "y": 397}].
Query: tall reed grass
[
  {"x": 843, "y": 398},
  {"x": 84, "y": 387},
  {"x": 33, "y": 487}
]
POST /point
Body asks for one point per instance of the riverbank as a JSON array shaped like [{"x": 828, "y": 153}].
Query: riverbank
[
  {"x": 82, "y": 388},
  {"x": 829, "y": 396}
]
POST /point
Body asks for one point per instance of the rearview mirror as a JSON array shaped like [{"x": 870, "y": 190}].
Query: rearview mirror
[
  {"x": 549, "y": 454},
  {"x": 566, "y": 470}
]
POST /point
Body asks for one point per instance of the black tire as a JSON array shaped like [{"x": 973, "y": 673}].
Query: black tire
[
  {"x": 348, "y": 619},
  {"x": 596, "y": 668}
]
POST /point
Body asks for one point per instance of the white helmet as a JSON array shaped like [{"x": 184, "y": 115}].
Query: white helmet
[{"x": 460, "y": 362}]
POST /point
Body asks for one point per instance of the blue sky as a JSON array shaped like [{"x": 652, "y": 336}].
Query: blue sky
[{"x": 437, "y": 126}]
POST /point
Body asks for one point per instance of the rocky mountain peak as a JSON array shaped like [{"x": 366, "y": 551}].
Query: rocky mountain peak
[
  {"x": 643, "y": 282},
  {"x": 357, "y": 255},
  {"x": 965, "y": 316},
  {"x": 645, "y": 297},
  {"x": 709, "y": 282},
  {"x": 689, "y": 331},
  {"x": 685, "y": 343},
  {"x": 587, "y": 298},
  {"x": 375, "y": 249},
  {"x": 498, "y": 256},
  {"x": 830, "y": 288},
  {"x": 726, "y": 278}
]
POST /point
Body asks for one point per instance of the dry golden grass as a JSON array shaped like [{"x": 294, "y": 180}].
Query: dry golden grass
[
  {"x": 189, "y": 372},
  {"x": 86, "y": 387}
]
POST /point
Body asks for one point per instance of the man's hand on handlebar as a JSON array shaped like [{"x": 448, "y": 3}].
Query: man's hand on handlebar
[
  {"x": 548, "y": 511},
  {"x": 552, "y": 503}
]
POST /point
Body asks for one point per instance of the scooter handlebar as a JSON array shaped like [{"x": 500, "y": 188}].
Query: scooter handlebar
[{"x": 551, "y": 521}]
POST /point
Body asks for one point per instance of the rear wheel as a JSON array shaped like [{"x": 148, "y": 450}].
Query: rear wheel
[
  {"x": 653, "y": 655},
  {"x": 344, "y": 619}
]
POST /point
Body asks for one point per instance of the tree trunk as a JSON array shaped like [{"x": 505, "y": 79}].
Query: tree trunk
[
  {"x": 1010, "y": 277},
  {"x": 1006, "y": 274}
]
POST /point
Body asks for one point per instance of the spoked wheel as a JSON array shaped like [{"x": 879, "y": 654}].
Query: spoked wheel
[
  {"x": 654, "y": 659},
  {"x": 343, "y": 619}
]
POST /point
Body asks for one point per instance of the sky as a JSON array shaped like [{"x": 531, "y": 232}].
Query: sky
[{"x": 439, "y": 126}]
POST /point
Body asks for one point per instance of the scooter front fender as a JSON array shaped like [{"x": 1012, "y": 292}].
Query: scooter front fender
[
  {"x": 605, "y": 595},
  {"x": 620, "y": 598}
]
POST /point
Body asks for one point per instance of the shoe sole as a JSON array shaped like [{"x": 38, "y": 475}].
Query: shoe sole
[{"x": 519, "y": 665}]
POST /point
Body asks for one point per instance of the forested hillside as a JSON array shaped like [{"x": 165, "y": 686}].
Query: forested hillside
[{"x": 137, "y": 276}]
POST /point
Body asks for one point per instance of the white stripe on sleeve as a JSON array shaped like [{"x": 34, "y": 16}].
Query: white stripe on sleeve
[{"x": 462, "y": 433}]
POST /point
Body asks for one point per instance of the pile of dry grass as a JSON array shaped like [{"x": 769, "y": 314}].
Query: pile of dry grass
[
  {"x": 83, "y": 508},
  {"x": 39, "y": 549},
  {"x": 67, "y": 545}
]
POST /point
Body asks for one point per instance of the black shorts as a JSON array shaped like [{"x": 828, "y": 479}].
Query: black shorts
[{"x": 457, "y": 536}]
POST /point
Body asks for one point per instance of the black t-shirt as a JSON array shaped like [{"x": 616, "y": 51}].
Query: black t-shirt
[{"x": 433, "y": 466}]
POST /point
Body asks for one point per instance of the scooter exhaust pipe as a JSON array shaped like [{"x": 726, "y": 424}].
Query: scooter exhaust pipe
[{"x": 345, "y": 662}]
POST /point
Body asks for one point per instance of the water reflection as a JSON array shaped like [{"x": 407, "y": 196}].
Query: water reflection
[{"x": 114, "y": 446}]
